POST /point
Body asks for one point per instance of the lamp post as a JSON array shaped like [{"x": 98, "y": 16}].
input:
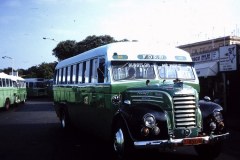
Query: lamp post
[
  {"x": 4, "y": 57},
  {"x": 45, "y": 38}
]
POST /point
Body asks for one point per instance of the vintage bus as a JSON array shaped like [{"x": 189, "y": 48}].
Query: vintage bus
[
  {"x": 12, "y": 90},
  {"x": 139, "y": 97},
  {"x": 20, "y": 83},
  {"x": 36, "y": 87}
]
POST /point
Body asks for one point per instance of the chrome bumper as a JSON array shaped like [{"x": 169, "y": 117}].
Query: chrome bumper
[{"x": 179, "y": 142}]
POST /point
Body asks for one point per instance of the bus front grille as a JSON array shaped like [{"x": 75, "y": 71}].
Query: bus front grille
[{"x": 184, "y": 111}]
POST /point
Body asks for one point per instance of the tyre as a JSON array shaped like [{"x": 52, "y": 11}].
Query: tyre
[
  {"x": 121, "y": 144},
  {"x": 7, "y": 104},
  {"x": 64, "y": 119},
  {"x": 209, "y": 151}
]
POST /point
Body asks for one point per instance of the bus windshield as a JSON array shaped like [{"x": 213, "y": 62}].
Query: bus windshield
[
  {"x": 176, "y": 71},
  {"x": 132, "y": 70}
]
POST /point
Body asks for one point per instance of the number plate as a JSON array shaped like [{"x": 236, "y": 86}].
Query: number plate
[{"x": 192, "y": 141}]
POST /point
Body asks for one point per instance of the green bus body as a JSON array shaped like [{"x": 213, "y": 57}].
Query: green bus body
[
  {"x": 36, "y": 87},
  {"x": 157, "y": 107},
  {"x": 12, "y": 90}
]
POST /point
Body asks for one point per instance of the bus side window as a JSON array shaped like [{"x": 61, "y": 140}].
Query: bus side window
[
  {"x": 77, "y": 73},
  {"x": 73, "y": 69},
  {"x": 94, "y": 70},
  {"x": 101, "y": 70},
  {"x": 64, "y": 75},
  {"x": 70, "y": 68},
  {"x": 0, "y": 82},
  {"x": 4, "y": 82},
  {"x": 69, "y": 75},
  {"x": 61, "y": 76},
  {"x": 80, "y": 73},
  {"x": 84, "y": 72}
]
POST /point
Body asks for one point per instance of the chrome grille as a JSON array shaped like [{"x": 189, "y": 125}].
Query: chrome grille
[{"x": 184, "y": 111}]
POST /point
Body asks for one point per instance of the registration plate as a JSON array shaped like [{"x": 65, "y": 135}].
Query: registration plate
[{"x": 192, "y": 141}]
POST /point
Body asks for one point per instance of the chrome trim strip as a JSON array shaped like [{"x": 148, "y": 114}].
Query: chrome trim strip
[{"x": 177, "y": 142}]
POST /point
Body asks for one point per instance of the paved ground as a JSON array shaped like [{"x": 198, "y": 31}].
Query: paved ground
[{"x": 32, "y": 132}]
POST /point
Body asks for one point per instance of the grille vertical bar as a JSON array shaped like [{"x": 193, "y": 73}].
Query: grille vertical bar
[{"x": 184, "y": 111}]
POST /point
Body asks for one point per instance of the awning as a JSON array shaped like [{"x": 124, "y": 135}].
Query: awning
[{"x": 206, "y": 69}]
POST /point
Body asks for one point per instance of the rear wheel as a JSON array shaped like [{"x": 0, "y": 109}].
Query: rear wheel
[{"x": 209, "y": 151}]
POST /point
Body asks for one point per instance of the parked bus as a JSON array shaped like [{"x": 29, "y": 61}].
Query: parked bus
[
  {"x": 12, "y": 90},
  {"x": 36, "y": 87},
  {"x": 138, "y": 97},
  {"x": 21, "y": 86}
]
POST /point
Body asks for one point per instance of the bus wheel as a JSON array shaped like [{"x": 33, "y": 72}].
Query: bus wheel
[
  {"x": 7, "y": 104},
  {"x": 121, "y": 142},
  {"x": 64, "y": 119},
  {"x": 209, "y": 151}
]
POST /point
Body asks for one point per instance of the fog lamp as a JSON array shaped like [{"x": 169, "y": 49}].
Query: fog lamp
[
  {"x": 221, "y": 125},
  {"x": 145, "y": 131},
  {"x": 213, "y": 126},
  {"x": 156, "y": 130}
]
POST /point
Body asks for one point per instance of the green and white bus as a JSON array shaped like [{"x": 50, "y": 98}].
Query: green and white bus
[
  {"x": 138, "y": 97},
  {"x": 22, "y": 90},
  {"x": 36, "y": 87},
  {"x": 12, "y": 90}
]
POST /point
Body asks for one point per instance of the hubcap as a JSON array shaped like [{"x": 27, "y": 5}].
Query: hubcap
[
  {"x": 119, "y": 141},
  {"x": 63, "y": 121}
]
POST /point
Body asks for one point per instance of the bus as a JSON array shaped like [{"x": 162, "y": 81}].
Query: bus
[
  {"x": 12, "y": 90},
  {"x": 137, "y": 96},
  {"x": 36, "y": 87},
  {"x": 20, "y": 83}
]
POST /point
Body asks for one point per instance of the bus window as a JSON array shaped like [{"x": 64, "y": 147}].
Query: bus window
[
  {"x": 94, "y": 71},
  {"x": 101, "y": 70},
  {"x": 90, "y": 71},
  {"x": 87, "y": 72},
  {"x": 0, "y": 82},
  {"x": 69, "y": 75},
  {"x": 77, "y": 73},
  {"x": 73, "y": 74},
  {"x": 64, "y": 75},
  {"x": 80, "y": 73},
  {"x": 126, "y": 71},
  {"x": 84, "y": 72}
]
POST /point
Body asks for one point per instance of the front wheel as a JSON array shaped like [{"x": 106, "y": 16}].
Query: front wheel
[
  {"x": 121, "y": 143},
  {"x": 209, "y": 151}
]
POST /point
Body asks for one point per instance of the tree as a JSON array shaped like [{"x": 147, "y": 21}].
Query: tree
[
  {"x": 65, "y": 49},
  {"x": 44, "y": 70},
  {"x": 68, "y": 48}
]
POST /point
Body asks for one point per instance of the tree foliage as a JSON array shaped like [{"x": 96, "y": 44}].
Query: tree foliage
[
  {"x": 63, "y": 50},
  {"x": 68, "y": 48}
]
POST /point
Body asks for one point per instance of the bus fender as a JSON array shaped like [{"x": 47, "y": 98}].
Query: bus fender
[{"x": 207, "y": 108}]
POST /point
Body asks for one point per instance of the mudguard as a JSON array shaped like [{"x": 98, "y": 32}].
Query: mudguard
[
  {"x": 132, "y": 116},
  {"x": 208, "y": 107}
]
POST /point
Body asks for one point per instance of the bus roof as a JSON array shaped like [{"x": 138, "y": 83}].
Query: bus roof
[
  {"x": 4, "y": 75},
  {"x": 15, "y": 78},
  {"x": 34, "y": 79},
  {"x": 130, "y": 51}
]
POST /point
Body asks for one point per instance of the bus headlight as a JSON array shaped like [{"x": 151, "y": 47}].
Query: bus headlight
[{"x": 149, "y": 120}]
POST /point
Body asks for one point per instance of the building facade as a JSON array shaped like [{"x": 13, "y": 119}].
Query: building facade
[{"x": 217, "y": 64}]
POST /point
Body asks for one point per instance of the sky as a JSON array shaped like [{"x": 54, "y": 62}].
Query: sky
[{"x": 24, "y": 24}]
